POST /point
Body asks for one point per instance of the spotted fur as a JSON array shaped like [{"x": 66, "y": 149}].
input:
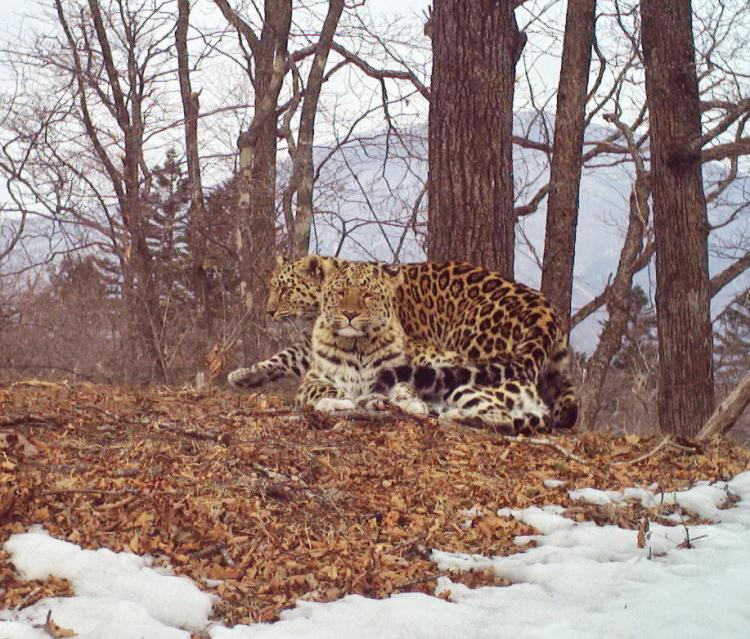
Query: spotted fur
[
  {"x": 457, "y": 313},
  {"x": 356, "y": 335}
]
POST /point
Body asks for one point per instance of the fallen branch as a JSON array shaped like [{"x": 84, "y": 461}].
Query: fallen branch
[
  {"x": 664, "y": 442},
  {"x": 219, "y": 438},
  {"x": 89, "y": 491},
  {"x": 728, "y": 412},
  {"x": 535, "y": 441},
  {"x": 521, "y": 439},
  {"x": 32, "y": 420}
]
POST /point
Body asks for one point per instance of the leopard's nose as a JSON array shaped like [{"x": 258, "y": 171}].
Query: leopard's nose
[{"x": 350, "y": 315}]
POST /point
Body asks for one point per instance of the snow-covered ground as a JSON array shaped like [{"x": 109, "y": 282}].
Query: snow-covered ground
[{"x": 578, "y": 580}]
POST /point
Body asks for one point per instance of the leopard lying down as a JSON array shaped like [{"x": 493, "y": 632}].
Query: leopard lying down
[
  {"x": 452, "y": 314},
  {"x": 360, "y": 355}
]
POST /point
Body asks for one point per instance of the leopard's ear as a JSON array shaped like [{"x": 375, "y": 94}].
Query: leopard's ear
[
  {"x": 280, "y": 261},
  {"x": 316, "y": 267},
  {"x": 394, "y": 272}
]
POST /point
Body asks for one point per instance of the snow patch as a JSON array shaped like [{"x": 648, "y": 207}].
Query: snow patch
[
  {"x": 579, "y": 581},
  {"x": 117, "y": 594}
]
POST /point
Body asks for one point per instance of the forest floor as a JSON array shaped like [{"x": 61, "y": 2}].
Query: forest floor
[{"x": 263, "y": 505}]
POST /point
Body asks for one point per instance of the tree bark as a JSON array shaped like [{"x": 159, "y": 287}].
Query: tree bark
[
  {"x": 565, "y": 172},
  {"x": 199, "y": 281},
  {"x": 686, "y": 391},
  {"x": 476, "y": 45},
  {"x": 303, "y": 162}
]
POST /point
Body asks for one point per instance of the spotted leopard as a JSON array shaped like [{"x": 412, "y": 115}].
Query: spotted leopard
[
  {"x": 458, "y": 313},
  {"x": 360, "y": 355}
]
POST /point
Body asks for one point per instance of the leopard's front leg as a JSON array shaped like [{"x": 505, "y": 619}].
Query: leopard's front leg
[
  {"x": 322, "y": 395},
  {"x": 293, "y": 360}
]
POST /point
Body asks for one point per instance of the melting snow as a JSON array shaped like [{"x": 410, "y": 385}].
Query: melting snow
[{"x": 579, "y": 581}]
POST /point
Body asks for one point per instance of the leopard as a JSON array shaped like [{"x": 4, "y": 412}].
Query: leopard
[
  {"x": 360, "y": 355},
  {"x": 457, "y": 313},
  {"x": 356, "y": 334}
]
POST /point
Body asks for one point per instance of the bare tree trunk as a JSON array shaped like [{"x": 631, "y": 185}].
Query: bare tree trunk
[
  {"x": 199, "y": 282},
  {"x": 303, "y": 162},
  {"x": 686, "y": 392},
  {"x": 618, "y": 307},
  {"x": 476, "y": 45},
  {"x": 127, "y": 186},
  {"x": 565, "y": 172},
  {"x": 256, "y": 227}
]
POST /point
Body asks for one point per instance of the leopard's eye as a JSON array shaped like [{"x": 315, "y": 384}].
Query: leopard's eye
[{"x": 367, "y": 296}]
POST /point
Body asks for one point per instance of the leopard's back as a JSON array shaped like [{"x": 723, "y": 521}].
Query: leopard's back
[{"x": 477, "y": 314}]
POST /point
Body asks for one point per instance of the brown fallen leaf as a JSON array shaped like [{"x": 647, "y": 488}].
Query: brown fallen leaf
[
  {"x": 7, "y": 497},
  {"x": 643, "y": 533},
  {"x": 53, "y": 630}
]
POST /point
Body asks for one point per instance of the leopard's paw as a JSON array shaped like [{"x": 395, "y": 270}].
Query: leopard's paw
[
  {"x": 412, "y": 406},
  {"x": 247, "y": 378},
  {"x": 375, "y": 402},
  {"x": 333, "y": 404}
]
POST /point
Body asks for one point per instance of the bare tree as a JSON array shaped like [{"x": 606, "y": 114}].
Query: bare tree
[
  {"x": 686, "y": 392},
  {"x": 199, "y": 276},
  {"x": 476, "y": 45},
  {"x": 567, "y": 161},
  {"x": 267, "y": 56}
]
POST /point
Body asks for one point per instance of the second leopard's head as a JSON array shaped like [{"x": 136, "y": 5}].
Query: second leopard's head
[
  {"x": 358, "y": 299},
  {"x": 294, "y": 288}
]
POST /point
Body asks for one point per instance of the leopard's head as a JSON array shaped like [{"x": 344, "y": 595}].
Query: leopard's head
[
  {"x": 294, "y": 288},
  {"x": 358, "y": 299}
]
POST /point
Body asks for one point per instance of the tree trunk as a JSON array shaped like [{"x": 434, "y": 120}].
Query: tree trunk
[
  {"x": 256, "y": 224},
  {"x": 686, "y": 390},
  {"x": 199, "y": 280},
  {"x": 565, "y": 172},
  {"x": 618, "y": 307},
  {"x": 303, "y": 161},
  {"x": 476, "y": 45}
]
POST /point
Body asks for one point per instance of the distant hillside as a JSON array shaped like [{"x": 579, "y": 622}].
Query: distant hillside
[{"x": 391, "y": 186}]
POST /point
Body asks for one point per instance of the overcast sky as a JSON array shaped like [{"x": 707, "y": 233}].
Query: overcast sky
[{"x": 12, "y": 11}]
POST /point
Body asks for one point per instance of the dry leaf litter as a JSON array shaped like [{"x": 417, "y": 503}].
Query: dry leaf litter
[{"x": 263, "y": 505}]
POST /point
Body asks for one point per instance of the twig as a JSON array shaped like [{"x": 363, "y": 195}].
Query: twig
[
  {"x": 217, "y": 548},
  {"x": 521, "y": 439},
  {"x": 225, "y": 556},
  {"x": 32, "y": 420},
  {"x": 31, "y": 598},
  {"x": 78, "y": 405},
  {"x": 219, "y": 438},
  {"x": 273, "y": 474},
  {"x": 88, "y": 491},
  {"x": 535, "y": 441},
  {"x": 416, "y": 582},
  {"x": 667, "y": 439},
  {"x": 258, "y": 412},
  {"x": 696, "y": 448}
]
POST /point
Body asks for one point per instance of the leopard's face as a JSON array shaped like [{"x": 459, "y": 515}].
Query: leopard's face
[
  {"x": 294, "y": 289},
  {"x": 358, "y": 300}
]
